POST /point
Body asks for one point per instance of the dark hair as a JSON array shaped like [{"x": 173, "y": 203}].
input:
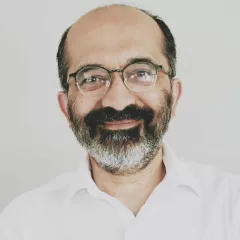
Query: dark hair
[{"x": 169, "y": 49}]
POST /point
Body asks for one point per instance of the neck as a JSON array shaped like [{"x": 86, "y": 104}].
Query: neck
[{"x": 134, "y": 189}]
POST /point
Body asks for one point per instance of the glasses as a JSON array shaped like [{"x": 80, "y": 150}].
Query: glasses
[{"x": 94, "y": 81}]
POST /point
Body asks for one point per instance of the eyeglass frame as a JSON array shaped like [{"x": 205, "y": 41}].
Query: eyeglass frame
[{"x": 136, "y": 61}]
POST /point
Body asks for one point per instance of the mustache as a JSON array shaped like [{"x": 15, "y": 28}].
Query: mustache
[{"x": 108, "y": 114}]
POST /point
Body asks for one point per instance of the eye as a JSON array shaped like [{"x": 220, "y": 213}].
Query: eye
[
  {"x": 142, "y": 73},
  {"x": 93, "y": 79},
  {"x": 90, "y": 79}
]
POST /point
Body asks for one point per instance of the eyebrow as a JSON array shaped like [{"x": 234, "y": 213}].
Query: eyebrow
[{"x": 129, "y": 61}]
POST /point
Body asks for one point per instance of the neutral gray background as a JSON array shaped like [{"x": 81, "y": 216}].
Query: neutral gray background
[{"x": 35, "y": 142}]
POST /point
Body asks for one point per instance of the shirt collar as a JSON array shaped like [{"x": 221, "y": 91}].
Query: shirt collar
[
  {"x": 180, "y": 170},
  {"x": 176, "y": 169}
]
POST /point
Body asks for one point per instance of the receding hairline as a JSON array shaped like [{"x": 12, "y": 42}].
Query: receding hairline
[
  {"x": 108, "y": 7},
  {"x": 168, "y": 41}
]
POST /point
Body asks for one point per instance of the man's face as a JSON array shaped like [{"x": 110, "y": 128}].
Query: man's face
[{"x": 122, "y": 130}]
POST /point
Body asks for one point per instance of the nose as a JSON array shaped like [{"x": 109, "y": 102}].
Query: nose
[{"x": 118, "y": 95}]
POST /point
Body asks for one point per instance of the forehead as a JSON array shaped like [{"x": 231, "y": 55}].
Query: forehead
[{"x": 112, "y": 36}]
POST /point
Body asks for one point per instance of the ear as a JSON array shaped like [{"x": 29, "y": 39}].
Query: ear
[
  {"x": 62, "y": 102},
  {"x": 176, "y": 94}
]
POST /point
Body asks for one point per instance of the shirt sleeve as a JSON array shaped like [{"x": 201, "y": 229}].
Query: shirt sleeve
[
  {"x": 236, "y": 215},
  {"x": 11, "y": 222}
]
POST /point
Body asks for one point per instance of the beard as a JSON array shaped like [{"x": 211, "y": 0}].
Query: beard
[{"x": 123, "y": 151}]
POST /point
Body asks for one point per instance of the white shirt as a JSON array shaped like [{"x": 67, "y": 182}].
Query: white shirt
[{"x": 193, "y": 202}]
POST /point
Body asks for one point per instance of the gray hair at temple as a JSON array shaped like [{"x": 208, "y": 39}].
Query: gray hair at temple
[{"x": 169, "y": 48}]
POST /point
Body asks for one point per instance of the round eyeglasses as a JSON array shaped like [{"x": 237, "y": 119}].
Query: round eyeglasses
[{"x": 94, "y": 81}]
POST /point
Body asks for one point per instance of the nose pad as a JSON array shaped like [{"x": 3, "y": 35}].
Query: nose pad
[{"x": 118, "y": 96}]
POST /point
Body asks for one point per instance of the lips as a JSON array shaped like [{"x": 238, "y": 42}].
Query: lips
[
  {"x": 118, "y": 125},
  {"x": 120, "y": 122}
]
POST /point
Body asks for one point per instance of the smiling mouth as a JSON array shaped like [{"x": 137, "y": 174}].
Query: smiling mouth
[{"x": 118, "y": 125}]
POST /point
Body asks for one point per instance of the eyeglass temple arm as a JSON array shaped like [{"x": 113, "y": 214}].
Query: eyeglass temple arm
[
  {"x": 70, "y": 76},
  {"x": 163, "y": 69}
]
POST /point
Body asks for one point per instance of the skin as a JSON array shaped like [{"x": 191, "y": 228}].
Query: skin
[{"x": 110, "y": 36}]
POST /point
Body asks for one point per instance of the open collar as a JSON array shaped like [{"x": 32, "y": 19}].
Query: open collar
[{"x": 176, "y": 168}]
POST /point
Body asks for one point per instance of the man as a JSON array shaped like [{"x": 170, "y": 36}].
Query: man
[{"x": 117, "y": 71}]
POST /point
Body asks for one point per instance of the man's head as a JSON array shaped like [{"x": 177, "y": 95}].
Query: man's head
[{"x": 120, "y": 117}]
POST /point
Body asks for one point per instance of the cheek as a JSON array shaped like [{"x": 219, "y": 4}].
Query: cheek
[
  {"x": 158, "y": 95},
  {"x": 84, "y": 105},
  {"x": 155, "y": 99},
  {"x": 151, "y": 99}
]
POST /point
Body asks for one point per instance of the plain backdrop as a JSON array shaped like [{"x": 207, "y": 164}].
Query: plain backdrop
[{"x": 35, "y": 141}]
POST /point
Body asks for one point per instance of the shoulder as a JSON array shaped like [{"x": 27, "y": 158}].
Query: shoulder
[
  {"x": 54, "y": 191},
  {"x": 219, "y": 188},
  {"x": 211, "y": 177},
  {"x": 33, "y": 206}
]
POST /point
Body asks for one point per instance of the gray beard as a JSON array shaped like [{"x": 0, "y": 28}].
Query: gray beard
[
  {"x": 118, "y": 154},
  {"x": 121, "y": 157}
]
